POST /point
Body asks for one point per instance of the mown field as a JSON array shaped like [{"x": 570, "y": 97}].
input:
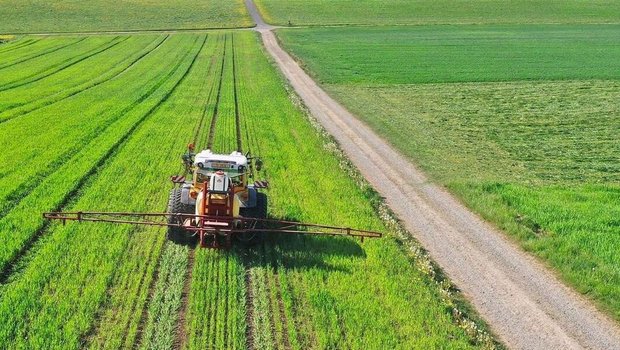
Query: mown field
[
  {"x": 99, "y": 123},
  {"x": 380, "y": 12},
  {"x": 37, "y": 16},
  {"x": 522, "y": 122}
]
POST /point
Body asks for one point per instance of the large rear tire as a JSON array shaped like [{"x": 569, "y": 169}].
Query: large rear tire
[
  {"x": 260, "y": 212},
  {"x": 177, "y": 234}
]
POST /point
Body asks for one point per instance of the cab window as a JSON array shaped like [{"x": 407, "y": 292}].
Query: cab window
[{"x": 201, "y": 178}]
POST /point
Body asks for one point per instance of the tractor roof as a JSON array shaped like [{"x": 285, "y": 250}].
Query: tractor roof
[{"x": 209, "y": 159}]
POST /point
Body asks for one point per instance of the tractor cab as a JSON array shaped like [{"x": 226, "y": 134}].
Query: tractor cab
[
  {"x": 219, "y": 184},
  {"x": 234, "y": 166}
]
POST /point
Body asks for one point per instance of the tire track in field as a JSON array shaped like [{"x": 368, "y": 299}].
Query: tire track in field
[
  {"x": 278, "y": 313},
  {"x": 212, "y": 323},
  {"x": 40, "y": 54},
  {"x": 77, "y": 90},
  {"x": 62, "y": 66},
  {"x": 29, "y": 247},
  {"x": 197, "y": 135},
  {"x": 268, "y": 301},
  {"x": 94, "y": 327},
  {"x": 182, "y": 331},
  {"x": 217, "y": 101},
  {"x": 23, "y": 44},
  {"x": 249, "y": 304},
  {"x": 181, "y": 320},
  {"x": 16, "y": 196},
  {"x": 282, "y": 312},
  {"x": 237, "y": 114},
  {"x": 149, "y": 113},
  {"x": 226, "y": 295}
]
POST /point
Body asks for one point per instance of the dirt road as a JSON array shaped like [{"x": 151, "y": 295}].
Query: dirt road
[{"x": 524, "y": 303}]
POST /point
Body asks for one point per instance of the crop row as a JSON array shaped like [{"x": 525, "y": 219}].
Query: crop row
[
  {"x": 46, "y": 66},
  {"x": 116, "y": 108},
  {"x": 181, "y": 112},
  {"x": 19, "y": 45},
  {"x": 216, "y": 310},
  {"x": 106, "y": 286},
  {"x": 53, "y": 46},
  {"x": 311, "y": 292},
  {"x": 77, "y": 78},
  {"x": 76, "y": 269}
]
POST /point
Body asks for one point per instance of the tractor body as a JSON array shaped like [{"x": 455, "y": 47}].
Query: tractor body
[{"x": 219, "y": 189}]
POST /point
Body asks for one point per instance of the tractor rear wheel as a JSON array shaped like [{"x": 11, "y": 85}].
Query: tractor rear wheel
[
  {"x": 177, "y": 234},
  {"x": 260, "y": 212}
]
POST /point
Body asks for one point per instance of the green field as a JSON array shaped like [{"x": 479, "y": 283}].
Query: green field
[
  {"x": 36, "y": 16},
  {"x": 524, "y": 128},
  {"x": 381, "y": 12},
  {"x": 99, "y": 123},
  {"x": 446, "y": 54}
]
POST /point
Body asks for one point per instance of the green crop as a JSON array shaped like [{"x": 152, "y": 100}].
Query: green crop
[
  {"x": 428, "y": 54},
  {"x": 164, "y": 307},
  {"x": 76, "y": 79},
  {"x": 113, "y": 144},
  {"x": 381, "y": 12},
  {"x": 106, "y": 15}
]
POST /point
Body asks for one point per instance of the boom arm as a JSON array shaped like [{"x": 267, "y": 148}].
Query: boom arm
[{"x": 226, "y": 225}]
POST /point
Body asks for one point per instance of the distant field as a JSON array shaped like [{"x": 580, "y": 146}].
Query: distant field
[
  {"x": 539, "y": 158},
  {"x": 380, "y": 12},
  {"x": 106, "y": 15},
  {"x": 425, "y": 54},
  {"x": 99, "y": 123}
]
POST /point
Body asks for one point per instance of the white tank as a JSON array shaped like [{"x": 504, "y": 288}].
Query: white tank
[{"x": 219, "y": 182}]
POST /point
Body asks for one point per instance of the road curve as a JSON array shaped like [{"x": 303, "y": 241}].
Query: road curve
[{"x": 523, "y": 302}]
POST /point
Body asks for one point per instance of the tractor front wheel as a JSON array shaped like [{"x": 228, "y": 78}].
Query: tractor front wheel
[{"x": 177, "y": 234}]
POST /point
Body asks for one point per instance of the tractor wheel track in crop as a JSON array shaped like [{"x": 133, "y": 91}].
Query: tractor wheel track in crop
[
  {"x": 13, "y": 266},
  {"x": 522, "y": 300},
  {"x": 23, "y": 44},
  {"x": 76, "y": 89},
  {"x": 267, "y": 285},
  {"x": 226, "y": 296},
  {"x": 201, "y": 123},
  {"x": 235, "y": 93},
  {"x": 249, "y": 304},
  {"x": 212, "y": 322},
  {"x": 144, "y": 276},
  {"x": 15, "y": 197},
  {"x": 63, "y": 65},
  {"x": 94, "y": 326},
  {"x": 217, "y": 101},
  {"x": 40, "y": 54},
  {"x": 149, "y": 299},
  {"x": 182, "y": 331},
  {"x": 281, "y": 309}
]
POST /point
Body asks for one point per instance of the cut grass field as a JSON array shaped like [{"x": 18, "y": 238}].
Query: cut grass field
[
  {"x": 63, "y": 16},
  {"x": 112, "y": 143},
  {"x": 530, "y": 140},
  {"x": 380, "y": 12}
]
